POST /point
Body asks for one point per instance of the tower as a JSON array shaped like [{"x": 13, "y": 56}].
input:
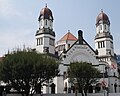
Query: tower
[
  {"x": 103, "y": 38},
  {"x": 45, "y": 36},
  {"x": 105, "y": 51}
]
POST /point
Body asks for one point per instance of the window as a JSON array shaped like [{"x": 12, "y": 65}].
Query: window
[
  {"x": 108, "y": 52},
  {"x": 111, "y": 44},
  {"x": 100, "y": 27},
  {"x": 41, "y": 23},
  {"x": 46, "y": 22},
  {"x": 51, "y": 41},
  {"x": 61, "y": 47},
  {"x": 98, "y": 44},
  {"x": 101, "y": 44},
  {"x": 39, "y": 41},
  {"x": 105, "y": 27},
  {"x": 50, "y": 23},
  {"x": 68, "y": 45},
  {"x": 46, "y": 49}
]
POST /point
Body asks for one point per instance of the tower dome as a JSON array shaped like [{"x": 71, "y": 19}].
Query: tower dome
[
  {"x": 46, "y": 13},
  {"x": 102, "y": 17}
]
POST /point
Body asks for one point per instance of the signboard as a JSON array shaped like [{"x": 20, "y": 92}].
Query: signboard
[{"x": 104, "y": 83}]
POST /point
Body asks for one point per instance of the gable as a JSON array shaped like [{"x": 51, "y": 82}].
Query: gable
[{"x": 79, "y": 52}]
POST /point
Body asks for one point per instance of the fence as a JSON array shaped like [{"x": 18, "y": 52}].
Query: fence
[{"x": 89, "y": 94}]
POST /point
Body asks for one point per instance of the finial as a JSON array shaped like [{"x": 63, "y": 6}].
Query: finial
[
  {"x": 46, "y": 5},
  {"x": 68, "y": 30},
  {"x": 8, "y": 52},
  {"x": 101, "y": 10}
]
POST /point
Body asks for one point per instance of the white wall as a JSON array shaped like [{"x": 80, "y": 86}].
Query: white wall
[
  {"x": 59, "y": 84},
  {"x": 46, "y": 38}
]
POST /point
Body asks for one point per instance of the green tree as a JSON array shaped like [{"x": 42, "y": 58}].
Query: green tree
[
  {"x": 82, "y": 75},
  {"x": 27, "y": 70}
]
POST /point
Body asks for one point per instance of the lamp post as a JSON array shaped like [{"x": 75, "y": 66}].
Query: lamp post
[
  {"x": 103, "y": 79},
  {"x": 107, "y": 69},
  {"x": 108, "y": 74}
]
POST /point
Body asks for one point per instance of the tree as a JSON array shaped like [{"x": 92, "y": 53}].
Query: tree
[
  {"x": 27, "y": 70},
  {"x": 82, "y": 75}
]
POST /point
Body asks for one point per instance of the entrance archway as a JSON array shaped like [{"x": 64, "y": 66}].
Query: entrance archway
[{"x": 52, "y": 88}]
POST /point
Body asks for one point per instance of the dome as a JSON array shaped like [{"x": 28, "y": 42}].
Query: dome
[
  {"x": 102, "y": 16},
  {"x": 46, "y": 13}
]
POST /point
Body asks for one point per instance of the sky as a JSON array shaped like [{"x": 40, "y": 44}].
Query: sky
[{"x": 19, "y": 20}]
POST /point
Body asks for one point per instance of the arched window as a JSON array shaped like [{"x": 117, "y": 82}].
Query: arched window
[
  {"x": 100, "y": 27},
  {"x": 52, "y": 88},
  {"x": 50, "y": 23},
  {"x": 40, "y": 23},
  {"x": 105, "y": 27},
  {"x": 46, "y": 22}
]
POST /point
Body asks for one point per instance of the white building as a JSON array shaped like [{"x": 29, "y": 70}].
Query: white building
[{"x": 69, "y": 49}]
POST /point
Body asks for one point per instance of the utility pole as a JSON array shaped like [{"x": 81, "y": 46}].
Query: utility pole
[{"x": 108, "y": 73}]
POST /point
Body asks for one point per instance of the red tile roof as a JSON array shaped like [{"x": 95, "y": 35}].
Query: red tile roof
[{"x": 68, "y": 36}]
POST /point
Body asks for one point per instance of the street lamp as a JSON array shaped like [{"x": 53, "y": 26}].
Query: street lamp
[
  {"x": 108, "y": 74},
  {"x": 106, "y": 69}
]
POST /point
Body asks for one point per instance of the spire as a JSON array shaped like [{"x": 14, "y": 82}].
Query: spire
[{"x": 46, "y": 5}]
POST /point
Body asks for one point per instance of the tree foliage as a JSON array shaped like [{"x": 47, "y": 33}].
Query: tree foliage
[
  {"x": 26, "y": 71},
  {"x": 82, "y": 75}
]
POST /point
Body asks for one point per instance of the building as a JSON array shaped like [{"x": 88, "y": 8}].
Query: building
[
  {"x": 70, "y": 48},
  {"x": 118, "y": 59}
]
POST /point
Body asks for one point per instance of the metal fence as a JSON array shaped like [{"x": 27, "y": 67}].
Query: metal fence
[{"x": 89, "y": 94}]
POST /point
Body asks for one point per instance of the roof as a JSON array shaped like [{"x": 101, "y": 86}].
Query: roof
[
  {"x": 68, "y": 36},
  {"x": 102, "y": 16},
  {"x": 46, "y": 13}
]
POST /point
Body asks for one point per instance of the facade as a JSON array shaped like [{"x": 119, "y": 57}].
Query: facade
[{"x": 70, "y": 48}]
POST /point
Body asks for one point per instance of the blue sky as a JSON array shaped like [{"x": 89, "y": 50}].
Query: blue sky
[{"x": 19, "y": 20}]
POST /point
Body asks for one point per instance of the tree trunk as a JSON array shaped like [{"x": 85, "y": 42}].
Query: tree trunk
[
  {"x": 85, "y": 90},
  {"x": 40, "y": 89},
  {"x": 82, "y": 93},
  {"x": 26, "y": 94},
  {"x": 76, "y": 92},
  {"x": 22, "y": 94},
  {"x": 85, "y": 93}
]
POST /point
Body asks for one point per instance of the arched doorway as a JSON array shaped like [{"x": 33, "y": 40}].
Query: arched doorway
[
  {"x": 52, "y": 88},
  {"x": 90, "y": 90},
  {"x": 98, "y": 87}
]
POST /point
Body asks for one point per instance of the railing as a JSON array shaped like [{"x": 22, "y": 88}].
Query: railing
[{"x": 72, "y": 94}]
